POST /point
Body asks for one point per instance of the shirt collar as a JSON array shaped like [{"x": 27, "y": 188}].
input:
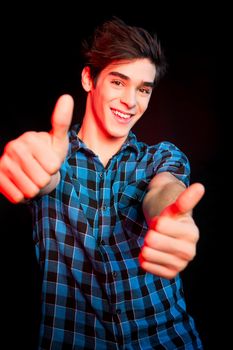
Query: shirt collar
[
  {"x": 131, "y": 142},
  {"x": 77, "y": 144}
]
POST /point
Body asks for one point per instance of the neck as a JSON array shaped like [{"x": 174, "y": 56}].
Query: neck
[{"x": 102, "y": 145}]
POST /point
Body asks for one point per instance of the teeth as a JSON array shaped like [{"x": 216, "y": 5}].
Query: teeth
[{"x": 122, "y": 115}]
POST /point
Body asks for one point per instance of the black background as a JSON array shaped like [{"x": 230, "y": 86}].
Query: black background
[{"x": 40, "y": 61}]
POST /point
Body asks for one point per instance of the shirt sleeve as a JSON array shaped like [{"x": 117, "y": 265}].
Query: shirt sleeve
[{"x": 169, "y": 157}]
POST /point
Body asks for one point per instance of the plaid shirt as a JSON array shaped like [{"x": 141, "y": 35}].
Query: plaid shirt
[{"x": 88, "y": 233}]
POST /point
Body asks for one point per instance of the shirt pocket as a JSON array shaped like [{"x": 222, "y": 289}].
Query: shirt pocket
[{"x": 130, "y": 212}]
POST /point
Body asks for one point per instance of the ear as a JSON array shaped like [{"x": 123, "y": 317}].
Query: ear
[{"x": 86, "y": 79}]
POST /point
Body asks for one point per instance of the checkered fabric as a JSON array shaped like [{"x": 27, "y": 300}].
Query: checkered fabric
[{"x": 88, "y": 233}]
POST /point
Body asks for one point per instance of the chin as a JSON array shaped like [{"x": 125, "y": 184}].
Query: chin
[{"x": 119, "y": 134}]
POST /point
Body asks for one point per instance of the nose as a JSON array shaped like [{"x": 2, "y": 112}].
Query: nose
[{"x": 129, "y": 98}]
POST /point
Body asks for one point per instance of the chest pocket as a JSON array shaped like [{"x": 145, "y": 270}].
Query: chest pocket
[{"x": 130, "y": 212}]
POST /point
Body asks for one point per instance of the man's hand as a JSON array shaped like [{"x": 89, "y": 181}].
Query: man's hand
[
  {"x": 29, "y": 162},
  {"x": 170, "y": 242}
]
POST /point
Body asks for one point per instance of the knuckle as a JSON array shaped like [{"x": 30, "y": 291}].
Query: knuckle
[
  {"x": 145, "y": 253},
  {"x": 31, "y": 192},
  {"x": 147, "y": 238},
  {"x": 192, "y": 252},
  {"x": 181, "y": 266},
  {"x": 177, "y": 267},
  {"x": 196, "y": 234},
  {"x": 17, "y": 198},
  {"x": 54, "y": 166},
  {"x": 171, "y": 274},
  {"x": 11, "y": 146},
  {"x": 6, "y": 165},
  {"x": 3, "y": 163},
  {"x": 189, "y": 252},
  {"x": 150, "y": 237},
  {"x": 43, "y": 181},
  {"x": 29, "y": 136}
]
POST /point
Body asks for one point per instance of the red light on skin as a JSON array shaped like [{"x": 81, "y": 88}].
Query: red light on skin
[
  {"x": 170, "y": 242},
  {"x": 184, "y": 204},
  {"x": 186, "y": 201}
]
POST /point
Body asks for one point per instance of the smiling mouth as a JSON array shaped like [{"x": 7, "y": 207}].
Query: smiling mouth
[{"x": 123, "y": 117}]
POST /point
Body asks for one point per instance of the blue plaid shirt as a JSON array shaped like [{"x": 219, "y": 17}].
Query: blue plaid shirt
[{"x": 88, "y": 234}]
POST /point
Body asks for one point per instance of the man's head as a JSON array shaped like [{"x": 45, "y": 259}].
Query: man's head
[
  {"x": 114, "y": 40},
  {"x": 121, "y": 66}
]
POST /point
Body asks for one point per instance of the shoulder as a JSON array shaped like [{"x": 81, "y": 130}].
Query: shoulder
[
  {"x": 162, "y": 148},
  {"x": 165, "y": 156}
]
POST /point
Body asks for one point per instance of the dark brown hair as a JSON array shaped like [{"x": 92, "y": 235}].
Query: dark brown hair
[{"x": 115, "y": 40}]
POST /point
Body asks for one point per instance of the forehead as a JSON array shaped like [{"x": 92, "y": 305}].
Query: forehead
[{"x": 138, "y": 69}]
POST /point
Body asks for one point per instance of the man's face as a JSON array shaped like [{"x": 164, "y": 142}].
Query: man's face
[{"x": 121, "y": 96}]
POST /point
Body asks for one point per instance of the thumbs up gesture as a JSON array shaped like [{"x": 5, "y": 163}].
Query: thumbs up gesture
[
  {"x": 31, "y": 162},
  {"x": 170, "y": 242}
]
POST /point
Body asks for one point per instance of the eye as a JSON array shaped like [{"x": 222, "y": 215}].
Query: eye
[
  {"x": 145, "y": 90},
  {"x": 116, "y": 82}
]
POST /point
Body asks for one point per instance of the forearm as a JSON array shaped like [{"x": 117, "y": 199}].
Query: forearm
[{"x": 163, "y": 190}]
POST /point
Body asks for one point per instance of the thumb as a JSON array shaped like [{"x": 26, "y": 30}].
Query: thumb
[
  {"x": 62, "y": 117},
  {"x": 186, "y": 201}
]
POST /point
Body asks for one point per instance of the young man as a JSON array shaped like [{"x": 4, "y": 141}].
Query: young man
[{"x": 112, "y": 216}]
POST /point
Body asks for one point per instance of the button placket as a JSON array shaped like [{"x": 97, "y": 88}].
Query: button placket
[
  {"x": 118, "y": 311},
  {"x": 114, "y": 274}
]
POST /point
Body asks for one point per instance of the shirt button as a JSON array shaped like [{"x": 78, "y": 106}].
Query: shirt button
[
  {"x": 101, "y": 175},
  {"x": 118, "y": 311},
  {"x": 114, "y": 274},
  {"x": 104, "y": 207},
  {"x": 100, "y": 241}
]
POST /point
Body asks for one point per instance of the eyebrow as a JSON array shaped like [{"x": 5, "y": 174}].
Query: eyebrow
[{"x": 125, "y": 77}]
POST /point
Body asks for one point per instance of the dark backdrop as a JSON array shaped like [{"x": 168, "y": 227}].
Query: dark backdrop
[{"x": 40, "y": 61}]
